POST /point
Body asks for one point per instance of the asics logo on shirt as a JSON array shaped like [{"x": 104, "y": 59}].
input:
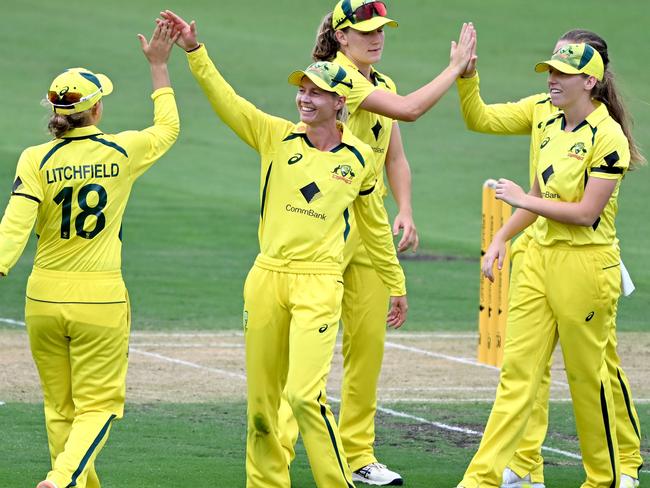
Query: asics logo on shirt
[
  {"x": 323, "y": 328},
  {"x": 295, "y": 158},
  {"x": 589, "y": 317}
]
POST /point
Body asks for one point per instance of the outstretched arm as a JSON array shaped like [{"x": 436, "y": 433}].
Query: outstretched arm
[
  {"x": 255, "y": 127},
  {"x": 148, "y": 145},
  {"x": 410, "y": 107},
  {"x": 157, "y": 51},
  {"x": 497, "y": 118}
]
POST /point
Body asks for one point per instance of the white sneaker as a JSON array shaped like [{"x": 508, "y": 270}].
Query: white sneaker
[
  {"x": 512, "y": 480},
  {"x": 378, "y": 475},
  {"x": 628, "y": 482}
]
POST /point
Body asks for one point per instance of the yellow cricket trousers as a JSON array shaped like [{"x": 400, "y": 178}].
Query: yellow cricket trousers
[
  {"x": 78, "y": 326},
  {"x": 291, "y": 315},
  {"x": 566, "y": 293},
  {"x": 365, "y": 307},
  {"x": 528, "y": 457}
]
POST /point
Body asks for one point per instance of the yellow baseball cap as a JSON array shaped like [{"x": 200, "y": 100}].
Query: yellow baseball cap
[
  {"x": 361, "y": 15},
  {"x": 574, "y": 59},
  {"x": 328, "y": 76},
  {"x": 77, "y": 89}
]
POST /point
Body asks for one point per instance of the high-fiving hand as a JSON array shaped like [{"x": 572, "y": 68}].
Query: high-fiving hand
[{"x": 186, "y": 32}]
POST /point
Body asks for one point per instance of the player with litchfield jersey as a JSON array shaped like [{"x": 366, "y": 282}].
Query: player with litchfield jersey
[
  {"x": 311, "y": 173},
  {"x": 527, "y": 116},
  {"x": 77, "y": 310},
  {"x": 352, "y": 35},
  {"x": 582, "y": 159}
]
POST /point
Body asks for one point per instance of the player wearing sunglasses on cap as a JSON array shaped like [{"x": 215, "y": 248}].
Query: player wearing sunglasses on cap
[
  {"x": 76, "y": 188},
  {"x": 311, "y": 174},
  {"x": 352, "y": 35}
]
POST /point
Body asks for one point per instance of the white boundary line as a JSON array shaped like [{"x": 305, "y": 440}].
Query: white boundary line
[
  {"x": 223, "y": 372},
  {"x": 387, "y": 411},
  {"x": 457, "y": 359}
]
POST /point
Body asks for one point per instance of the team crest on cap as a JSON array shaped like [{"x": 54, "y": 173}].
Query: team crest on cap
[
  {"x": 565, "y": 52},
  {"x": 578, "y": 151},
  {"x": 343, "y": 172}
]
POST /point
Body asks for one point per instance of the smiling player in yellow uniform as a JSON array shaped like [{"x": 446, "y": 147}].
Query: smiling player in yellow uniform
[
  {"x": 77, "y": 312},
  {"x": 311, "y": 173},
  {"x": 352, "y": 35},
  {"x": 527, "y": 116},
  {"x": 570, "y": 274}
]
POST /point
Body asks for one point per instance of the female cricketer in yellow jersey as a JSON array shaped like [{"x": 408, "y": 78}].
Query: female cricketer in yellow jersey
[
  {"x": 569, "y": 275},
  {"x": 77, "y": 312},
  {"x": 311, "y": 173},
  {"x": 352, "y": 36},
  {"x": 526, "y": 116}
]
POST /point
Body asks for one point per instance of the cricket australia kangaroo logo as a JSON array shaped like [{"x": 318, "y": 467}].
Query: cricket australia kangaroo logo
[
  {"x": 578, "y": 151},
  {"x": 344, "y": 173}
]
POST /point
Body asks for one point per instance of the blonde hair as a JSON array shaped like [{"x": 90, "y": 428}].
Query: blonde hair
[{"x": 59, "y": 124}]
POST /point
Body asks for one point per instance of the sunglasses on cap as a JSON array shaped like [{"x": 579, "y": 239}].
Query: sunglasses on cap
[
  {"x": 365, "y": 12},
  {"x": 67, "y": 99}
]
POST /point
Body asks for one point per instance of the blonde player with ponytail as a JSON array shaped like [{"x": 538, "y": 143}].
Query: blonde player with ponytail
[
  {"x": 76, "y": 187},
  {"x": 569, "y": 276},
  {"x": 527, "y": 116},
  {"x": 352, "y": 35}
]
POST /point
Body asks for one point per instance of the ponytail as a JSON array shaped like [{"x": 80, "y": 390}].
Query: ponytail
[
  {"x": 606, "y": 92},
  {"x": 326, "y": 44},
  {"x": 59, "y": 124}
]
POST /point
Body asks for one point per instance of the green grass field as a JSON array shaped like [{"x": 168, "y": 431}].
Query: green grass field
[{"x": 190, "y": 232}]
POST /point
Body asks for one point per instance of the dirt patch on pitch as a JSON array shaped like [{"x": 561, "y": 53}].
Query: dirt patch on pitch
[{"x": 210, "y": 367}]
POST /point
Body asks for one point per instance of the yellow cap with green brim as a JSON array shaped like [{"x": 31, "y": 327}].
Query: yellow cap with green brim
[
  {"x": 77, "y": 89},
  {"x": 361, "y": 15},
  {"x": 574, "y": 59},
  {"x": 328, "y": 76}
]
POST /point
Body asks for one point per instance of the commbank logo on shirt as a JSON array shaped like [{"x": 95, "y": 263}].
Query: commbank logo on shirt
[{"x": 343, "y": 172}]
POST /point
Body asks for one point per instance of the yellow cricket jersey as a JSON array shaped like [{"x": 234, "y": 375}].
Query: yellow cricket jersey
[
  {"x": 77, "y": 188},
  {"x": 305, "y": 192},
  {"x": 524, "y": 117},
  {"x": 597, "y": 148},
  {"x": 373, "y": 129}
]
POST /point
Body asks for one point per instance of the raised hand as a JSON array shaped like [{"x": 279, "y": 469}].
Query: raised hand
[
  {"x": 187, "y": 32},
  {"x": 157, "y": 49},
  {"x": 464, "y": 50},
  {"x": 397, "y": 313},
  {"x": 470, "y": 70}
]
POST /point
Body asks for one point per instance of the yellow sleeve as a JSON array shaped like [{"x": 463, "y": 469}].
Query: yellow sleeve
[
  {"x": 145, "y": 147},
  {"x": 255, "y": 127},
  {"x": 361, "y": 88},
  {"x": 496, "y": 118},
  {"x": 375, "y": 231},
  {"x": 15, "y": 227},
  {"x": 611, "y": 155}
]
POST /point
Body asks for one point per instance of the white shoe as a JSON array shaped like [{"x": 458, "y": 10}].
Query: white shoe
[
  {"x": 378, "y": 475},
  {"x": 628, "y": 482},
  {"x": 512, "y": 480}
]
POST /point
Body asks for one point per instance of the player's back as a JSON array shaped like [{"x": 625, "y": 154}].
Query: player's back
[{"x": 85, "y": 179}]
